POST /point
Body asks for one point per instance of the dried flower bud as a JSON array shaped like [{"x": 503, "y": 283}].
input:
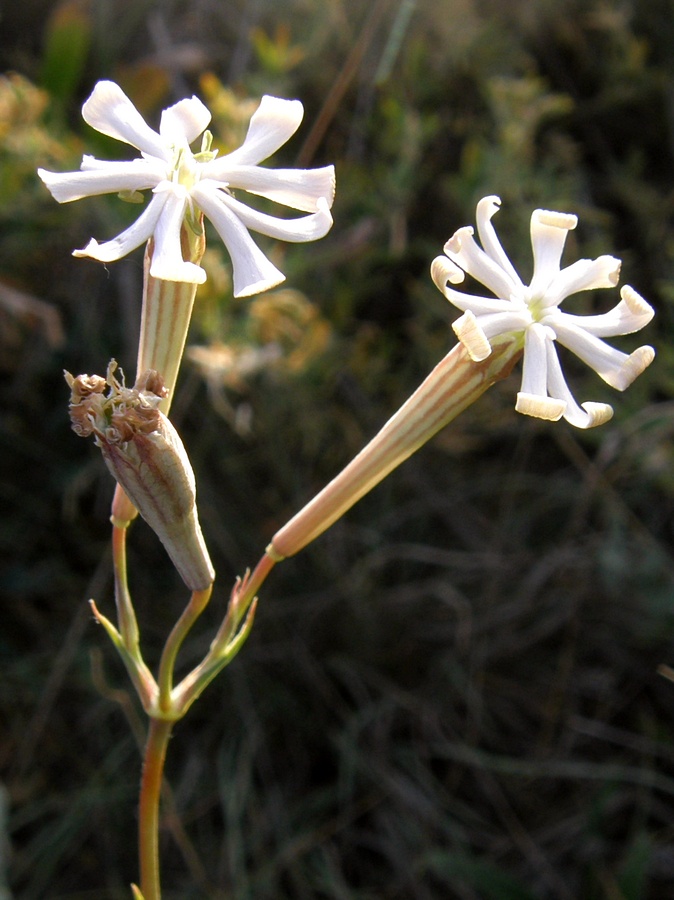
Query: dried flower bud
[{"x": 144, "y": 453}]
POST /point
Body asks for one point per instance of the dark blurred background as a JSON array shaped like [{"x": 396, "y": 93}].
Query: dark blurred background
[{"x": 455, "y": 692}]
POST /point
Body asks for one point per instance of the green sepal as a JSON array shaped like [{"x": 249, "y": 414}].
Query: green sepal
[{"x": 131, "y": 196}]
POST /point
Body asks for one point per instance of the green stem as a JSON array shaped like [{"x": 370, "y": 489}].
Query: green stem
[
  {"x": 148, "y": 811},
  {"x": 128, "y": 637},
  {"x": 126, "y": 616},
  {"x": 191, "y": 613}
]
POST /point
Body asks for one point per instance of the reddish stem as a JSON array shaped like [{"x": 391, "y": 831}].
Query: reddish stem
[{"x": 148, "y": 810}]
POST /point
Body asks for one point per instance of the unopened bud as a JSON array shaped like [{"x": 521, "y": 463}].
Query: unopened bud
[{"x": 146, "y": 456}]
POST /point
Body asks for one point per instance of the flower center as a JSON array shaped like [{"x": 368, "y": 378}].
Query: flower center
[
  {"x": 186, "y": 170},
  {"x": 537, "y": 306},
  {"x": 187, "y": 165}
]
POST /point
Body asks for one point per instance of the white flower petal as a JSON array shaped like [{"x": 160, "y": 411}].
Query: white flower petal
[
  {"x": 625, "y": 318},
  {"x": 167, "y": 256},
  {"x": 463, "y": 250},
  {"x": 583, "y": 275},
  {"x": 587, "y": 415},
  {"x": 65, "y": 187},
  {"x": 297, "y": 188},
  {"x": 304, "y": 228},
  {"x": 110, "y": 111},
  {"x": 636, "y": 303},
  {"x": 128, "y": 240},
  {"x": 540, "y": 407},
  {"x": 252, "y": 272},
  {"x": 473, "y": 338},
  {"x": 152, "y": 167},
  {"x": 535, "y": 362},
  {"x": 637, "y": 362},
  {"x": 548, "y": 236},
  {"x": 443, "y": 270},
  {"x": 615, "y": 367},
  {"x": 512, "y": 320},
  {"x": 183, "y": 122},
  {"x": 480, "y": 306},
  {"x": 176, "y": 269},
  {"x": 486, "y": 209},
  {"x": 598, "y": 413},
  {"x": 273, "y": 123}
]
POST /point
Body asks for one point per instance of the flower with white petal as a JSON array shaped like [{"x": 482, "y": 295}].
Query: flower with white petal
[
  {"x": 533, "y": 310},
  {"x": 185, "y": 184}
]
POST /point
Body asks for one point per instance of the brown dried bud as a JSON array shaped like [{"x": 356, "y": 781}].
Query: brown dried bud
[{"x": 144, "y": 453}]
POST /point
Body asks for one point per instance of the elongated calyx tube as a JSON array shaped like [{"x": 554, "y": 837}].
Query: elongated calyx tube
[
  {"x": 455, "y": 383},
  {"x": 146, "y": 456}
]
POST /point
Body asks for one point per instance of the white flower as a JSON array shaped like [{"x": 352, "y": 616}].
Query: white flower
[
  {"x": 184, "y": 182},
  {"x": 533, "y": 310}
]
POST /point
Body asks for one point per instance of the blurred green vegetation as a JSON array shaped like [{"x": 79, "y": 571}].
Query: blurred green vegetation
[{"x": 454, "y": 693}]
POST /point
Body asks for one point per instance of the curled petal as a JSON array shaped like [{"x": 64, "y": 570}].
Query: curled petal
[
  {"x": 102, "y": 178},
  {"x": 468, "y": 331},
  {"x": 167, "y": 257},
  {"x": 548, "y": 236},
  {"x": 443, "y": 270},
  {"x": 540, "y": 407},
  {"x": 547, "y": 218},
  {"x": 128, "y": 240},
  {"x": 183, "y": 122},
  {"x": 464, "y": 251},
  {"x": 630, "y": 315},
  {"x": 615, "y": 367},
  {"x": 639, "y": 360},
  {"x": 296, "y": 188},
  {"x": 583, "y": 275},
  {"x": 273, "y": 123},
  {"x": 598, "y": 413},
  {"x": 633, "y": 312},
  {"x": 486, "y": 209},
  {"x": 636, "y": 303},
  {"x": 488, "y": 326},
  {"x": 110, "y": 111},
  {"x": 587, "y": 415},
  {"x": 252, "y": 272}
]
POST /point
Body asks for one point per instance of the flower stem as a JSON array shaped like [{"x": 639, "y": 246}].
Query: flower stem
[
  {"x": 127, "y": 640},
  {"x": 191, "y": 613},
  {"x": 126, "y": 616},
  {"x": 148, "y": 811}
]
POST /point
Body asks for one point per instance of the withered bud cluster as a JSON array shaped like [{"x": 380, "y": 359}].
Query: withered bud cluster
[{"x": 146, "y": 456}]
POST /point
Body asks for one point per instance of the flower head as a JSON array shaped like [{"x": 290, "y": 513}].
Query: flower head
[
  {"x": 533, "y": 310},
  {"x": 185, "y": 184}
]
